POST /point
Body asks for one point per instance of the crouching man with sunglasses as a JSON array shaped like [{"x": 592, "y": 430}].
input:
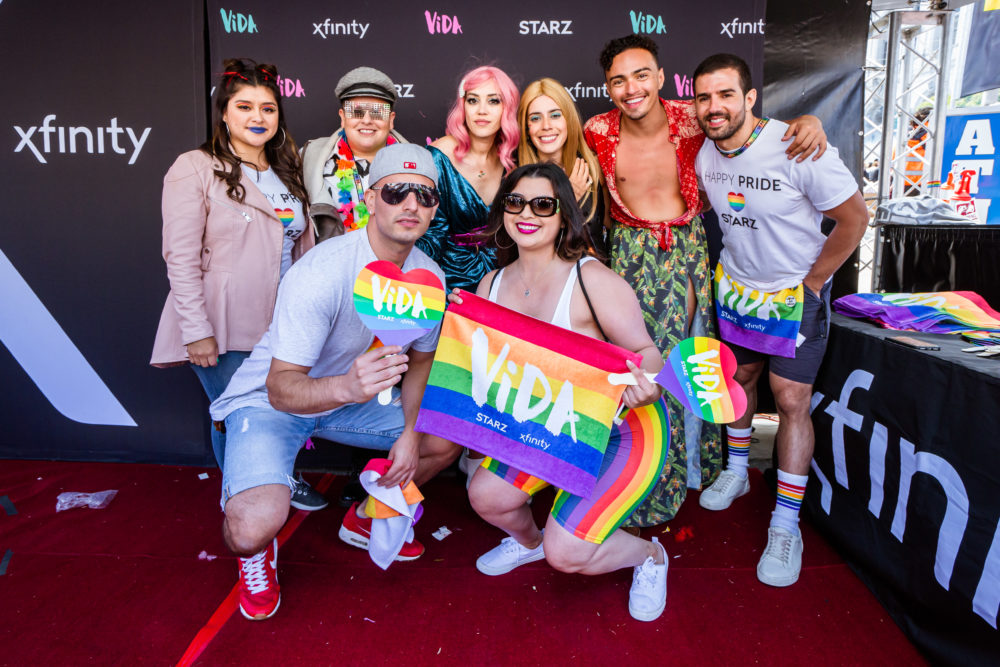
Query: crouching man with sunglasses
[
  {"x": 314, "y": 374},
  {"x": 335, "y": 168}
]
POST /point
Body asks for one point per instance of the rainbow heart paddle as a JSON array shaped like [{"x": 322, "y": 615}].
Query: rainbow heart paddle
[
  {"x": 699, "y": 373},
  {"x": 398, "y": 307}
]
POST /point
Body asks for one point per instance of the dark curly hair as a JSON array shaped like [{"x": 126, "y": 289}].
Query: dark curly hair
[
  {"x": 633, "y": 41},
  {"x": 280, "y": 150},
  {"x": 573, "y": 245}
]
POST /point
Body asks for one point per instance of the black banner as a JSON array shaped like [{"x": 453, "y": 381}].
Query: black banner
[
  {"x": 908, "y": 470},
  {"x": 102, "y": 99},
  {"x": 425, "y": 48}
]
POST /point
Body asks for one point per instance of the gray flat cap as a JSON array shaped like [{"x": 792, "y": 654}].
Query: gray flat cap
[{"x": 366, "y": 82}]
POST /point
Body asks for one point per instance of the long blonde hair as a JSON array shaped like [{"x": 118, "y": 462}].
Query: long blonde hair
[{"x": 575, "y": 144}]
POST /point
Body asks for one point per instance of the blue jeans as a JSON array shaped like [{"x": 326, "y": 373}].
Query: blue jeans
[
  {"x": 214, "y": 381},
  {"x": 263, "y": 442}
]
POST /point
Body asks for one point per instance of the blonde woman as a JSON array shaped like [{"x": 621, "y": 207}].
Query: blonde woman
[{"x": 551, "y": 131}]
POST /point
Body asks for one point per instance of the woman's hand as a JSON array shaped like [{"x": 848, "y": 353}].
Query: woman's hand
[
  {"x": 204, "y": 352},
  {"x": 580, "y": 179},
  {"x": 643, "y": 392},
  {"x": 453, "y": 296}
]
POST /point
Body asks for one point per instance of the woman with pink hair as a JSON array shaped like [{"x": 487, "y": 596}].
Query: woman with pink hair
[{"x": 472, "y": 158}]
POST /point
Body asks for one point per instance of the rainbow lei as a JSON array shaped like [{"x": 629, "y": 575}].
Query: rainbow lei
[{"x": 350, "y": 190}]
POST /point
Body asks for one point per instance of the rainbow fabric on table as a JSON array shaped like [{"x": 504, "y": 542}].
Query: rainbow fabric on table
[
  {"x": 930, "y": 312},
  {"x": 530, "y": 394},
  {"x": 767, "y": 322}
]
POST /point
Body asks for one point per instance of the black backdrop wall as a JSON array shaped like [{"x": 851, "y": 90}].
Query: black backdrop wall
[{"x": 105, "y": 98}]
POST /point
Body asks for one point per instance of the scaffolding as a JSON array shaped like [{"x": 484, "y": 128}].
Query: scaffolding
[{"x": 910, "y": 64}]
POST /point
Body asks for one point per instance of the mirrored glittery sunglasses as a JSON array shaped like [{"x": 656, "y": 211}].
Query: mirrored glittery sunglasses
[
  {"x": 377, "y": 110},
  {"x": 394, "y": 194},
  {"x": 543, "y": 207}
]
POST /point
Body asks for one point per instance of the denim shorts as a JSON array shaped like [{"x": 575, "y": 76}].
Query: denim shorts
[{"x": 261, "y": 442}]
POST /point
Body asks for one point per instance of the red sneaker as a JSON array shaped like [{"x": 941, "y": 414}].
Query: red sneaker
[
  {"x": 260, "y": 594},
  {"x": 356, "y": 531}
]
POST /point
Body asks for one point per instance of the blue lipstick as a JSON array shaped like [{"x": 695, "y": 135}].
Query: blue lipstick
[{"x": 258, "y": 130}]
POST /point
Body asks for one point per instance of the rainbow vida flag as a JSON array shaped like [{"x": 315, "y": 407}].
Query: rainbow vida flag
[
  {"x": 530, "y": 394},
  {"x": 767, "y": 322}
]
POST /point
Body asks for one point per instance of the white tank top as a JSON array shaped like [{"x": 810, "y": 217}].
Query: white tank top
[{"x": 560, "y": 317}]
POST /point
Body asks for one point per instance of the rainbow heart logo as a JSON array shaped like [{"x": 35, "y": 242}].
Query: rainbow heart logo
[
  {"x": 286, "y": 215},
  {"x": 398, "y": 307},
  {"x": 737, "y": 201},
  {"x": 700, "y": 374}
]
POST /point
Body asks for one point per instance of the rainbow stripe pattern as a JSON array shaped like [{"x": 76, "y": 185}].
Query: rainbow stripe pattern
[
  {"x": 930, "y": 312},
  {"x": 699, "y": 373},
  {"x": 790, "y": 495},
  {"x": 398, "y": 307},
  {"x": 637, "y": 451},
  {"x": 525, "y": 392},
  {"x": 631, "y": 475},
  {"x": 764, "y": 321},
  {"x": 737, "y": 201},
  {"x": 285, "y": 215}
]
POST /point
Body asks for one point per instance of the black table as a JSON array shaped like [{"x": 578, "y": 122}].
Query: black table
[{"x": 906, "y": 482}]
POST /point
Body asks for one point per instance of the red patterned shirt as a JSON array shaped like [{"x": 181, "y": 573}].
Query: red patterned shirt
[{"x": 602, "y": 134}]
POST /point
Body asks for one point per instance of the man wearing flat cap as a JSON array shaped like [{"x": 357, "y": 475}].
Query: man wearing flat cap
[
  {"x": 336, "y": 167},
  {"x": 316, "y": 373}
]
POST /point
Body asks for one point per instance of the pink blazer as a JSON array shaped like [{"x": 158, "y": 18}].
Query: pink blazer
[{"x": 223, "y": 261}]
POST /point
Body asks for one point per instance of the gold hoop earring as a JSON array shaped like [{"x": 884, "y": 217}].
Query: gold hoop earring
[
  {"x": 496, "y": 242},
  {"x": 283, "y": 137}
]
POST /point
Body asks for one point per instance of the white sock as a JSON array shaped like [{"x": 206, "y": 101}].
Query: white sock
[{"x": 738, "y": 446}]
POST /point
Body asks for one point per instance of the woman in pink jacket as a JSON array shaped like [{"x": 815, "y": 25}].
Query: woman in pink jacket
[{"x": 234, "y": 220}]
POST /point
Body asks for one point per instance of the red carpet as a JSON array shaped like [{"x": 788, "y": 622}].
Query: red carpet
[{"x": 124, "y": 585}]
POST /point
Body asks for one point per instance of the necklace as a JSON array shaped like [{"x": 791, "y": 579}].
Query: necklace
[
  {"x": 520, "y": 277},
  {"x": 753, "y": 137}
]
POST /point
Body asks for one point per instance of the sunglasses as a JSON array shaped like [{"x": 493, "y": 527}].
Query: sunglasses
[
  {"x": 543, "y": 207},
  {"x": 377, "y": 110},
  {"x": 394, "y": 194}
]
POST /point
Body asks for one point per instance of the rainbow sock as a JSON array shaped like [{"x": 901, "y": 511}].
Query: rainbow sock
[
  {"x": 791, "y": 489},
  {"x": 738, "y": 445}
]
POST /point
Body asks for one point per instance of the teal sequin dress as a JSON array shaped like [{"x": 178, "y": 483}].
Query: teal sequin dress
[{"x": 449, "y": 240}]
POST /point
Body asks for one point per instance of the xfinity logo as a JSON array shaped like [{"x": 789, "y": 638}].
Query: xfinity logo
[
  {"x": 580, "y": 91},
  {"x": 73, "y": 139},
  {"x": 531, "y": 27},
  {"x": 404, "y": 90},
  {"x": 328, "y": 28},
  {"x": 737, "y": 27}
]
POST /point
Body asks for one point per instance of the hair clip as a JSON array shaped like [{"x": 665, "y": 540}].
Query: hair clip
[
  {"x": 232, "y": 74},
  {"x": 461, "y": 88}
]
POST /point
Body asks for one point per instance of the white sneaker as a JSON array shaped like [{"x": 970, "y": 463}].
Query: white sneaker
[
  {"x": 727, "y": 487},
  {"x": 781, "y": 561},
  {"x": 507, "y": 556},
  {"x": 648, "y": 597}
]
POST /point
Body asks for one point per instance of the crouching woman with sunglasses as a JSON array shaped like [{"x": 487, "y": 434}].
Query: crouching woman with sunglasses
[{"x": 546, "y": 273}]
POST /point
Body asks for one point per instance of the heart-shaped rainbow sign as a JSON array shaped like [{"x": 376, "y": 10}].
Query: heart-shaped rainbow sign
[
  {"x": 699, "y": 373},
  {"x": 737, "y": 201},
  {"x": 398, "y": 307}
]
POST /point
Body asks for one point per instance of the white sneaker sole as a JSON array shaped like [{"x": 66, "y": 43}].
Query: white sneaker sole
[
  {"x": 715, "y": 506},
  {"x": 358, "y": 540},
  {"x": 646, "y": 615},
  {"x": 261, "y": 618},
  {"x": 496, "y": 571},
  {"x": 777, "y": 582}
]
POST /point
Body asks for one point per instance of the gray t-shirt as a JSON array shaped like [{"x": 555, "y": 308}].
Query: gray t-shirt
[
  {"x": 287, "y": 207},
  {"x": 315, "y": 323}
]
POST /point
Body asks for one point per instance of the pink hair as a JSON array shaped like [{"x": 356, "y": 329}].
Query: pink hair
[{"x": 509, "y": 133}]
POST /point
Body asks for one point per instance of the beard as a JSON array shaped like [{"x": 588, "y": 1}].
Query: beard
[{"x": 725, "y": 131}]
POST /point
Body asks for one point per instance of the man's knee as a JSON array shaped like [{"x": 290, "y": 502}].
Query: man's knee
[
  {"x": 790, "y": 397},
  {"x": 254, "y": 517}
]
